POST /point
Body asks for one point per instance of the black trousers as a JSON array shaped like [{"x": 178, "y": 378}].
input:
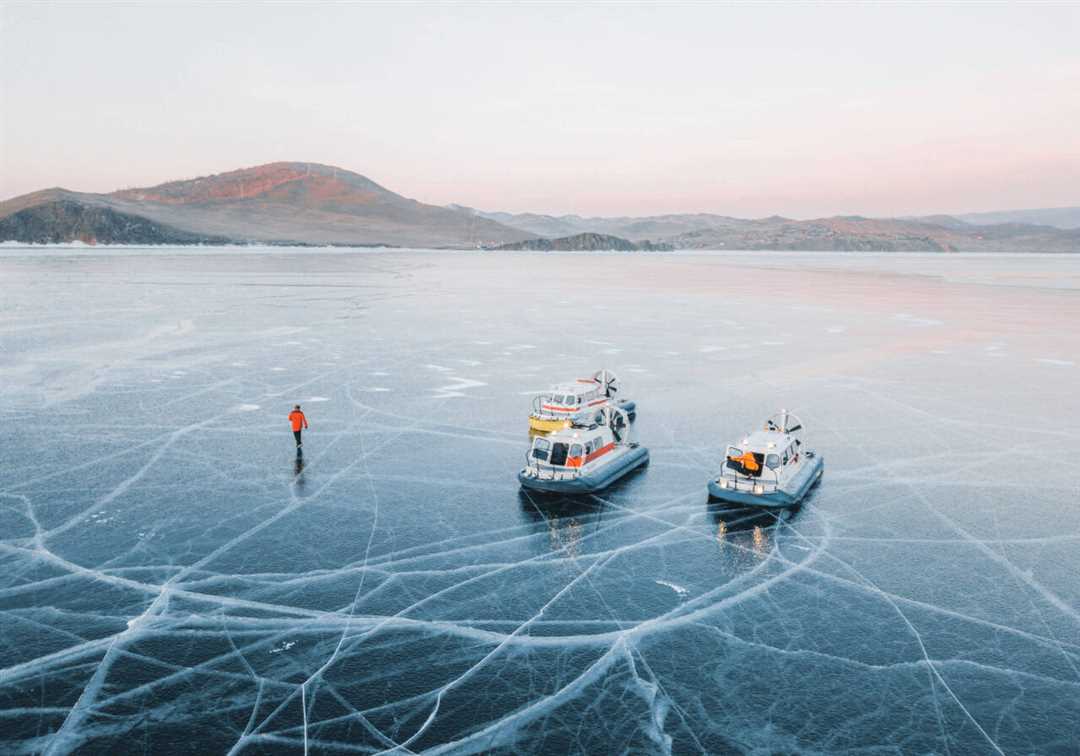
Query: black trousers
[{"x": 296, "y": 435}]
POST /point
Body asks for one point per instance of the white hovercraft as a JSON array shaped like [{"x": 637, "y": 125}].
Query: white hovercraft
[
  {"x": 770, "y": 468},
  {"x": 590, "y": 454}
]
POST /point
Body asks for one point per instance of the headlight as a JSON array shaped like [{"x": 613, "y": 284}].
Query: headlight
[
  {"x": 759, "y": 489},
  {"x": 723, "y": 483}
]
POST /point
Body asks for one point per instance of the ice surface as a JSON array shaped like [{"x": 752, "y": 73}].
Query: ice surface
[{"x": 173, "y": 578}]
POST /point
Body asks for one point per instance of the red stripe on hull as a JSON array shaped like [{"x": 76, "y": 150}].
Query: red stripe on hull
[{"x": 599, "y": 452}]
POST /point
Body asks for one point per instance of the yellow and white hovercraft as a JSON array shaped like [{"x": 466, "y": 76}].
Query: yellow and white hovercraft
[
  {"x": 587, "y": 456},
  {"x": 556, "y": 409}
]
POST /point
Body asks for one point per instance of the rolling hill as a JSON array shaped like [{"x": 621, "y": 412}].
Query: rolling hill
[
  {"x": 585, "y": 242},
  {"x": 303, "y": 203}
]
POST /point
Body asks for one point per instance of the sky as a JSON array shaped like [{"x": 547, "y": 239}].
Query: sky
[{"x": 803, "y": 110}]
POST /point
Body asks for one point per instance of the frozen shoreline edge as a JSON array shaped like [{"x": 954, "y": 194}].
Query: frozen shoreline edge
[{"x": 19, "y": 249}]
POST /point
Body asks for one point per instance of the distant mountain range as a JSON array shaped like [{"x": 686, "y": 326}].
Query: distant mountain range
[
  {"x": 937, "y": 233},
  {"x": 1059, "y": 217},
  {"x": 313, "y": 204}
]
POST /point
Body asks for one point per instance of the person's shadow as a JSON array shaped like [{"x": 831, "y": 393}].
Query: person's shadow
[{"x": 298, "y": 469}]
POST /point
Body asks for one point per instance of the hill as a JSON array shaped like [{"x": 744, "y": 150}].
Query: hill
[
  {"x": 60, "y": 220},
  {"x": 583, "y": 243},
  {"x": 853, "y": 233},
  {"x": 940, "y": 233},
  {"x": 633, "y": 228},
  {"x": 305, "y": 203},
  {"x": 1058, "y": 217}
]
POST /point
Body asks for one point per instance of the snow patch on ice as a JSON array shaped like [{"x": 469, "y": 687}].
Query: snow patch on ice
[
  {"x": 680, "y": 590},
  {"x": 456, "y": 388}
]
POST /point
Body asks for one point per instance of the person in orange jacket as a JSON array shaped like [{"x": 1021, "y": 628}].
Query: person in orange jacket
[{"x": 296, "y": 417}]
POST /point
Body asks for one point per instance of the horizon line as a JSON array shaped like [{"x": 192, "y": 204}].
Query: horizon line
[{"x": 551, "y": 214}]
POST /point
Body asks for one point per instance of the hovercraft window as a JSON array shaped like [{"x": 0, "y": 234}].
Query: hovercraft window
[
  {"x": 576, "y": 456},
  {"x": 759, "y": 464},
  {"x": 558, "y": 454},
  {"x": 541, "y": 448},
  {"x": 772, "y": 461},
  {"x": 745, "y": 463}
]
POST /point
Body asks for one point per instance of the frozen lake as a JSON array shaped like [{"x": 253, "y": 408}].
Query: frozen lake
[{"x": 173, "y": 579}]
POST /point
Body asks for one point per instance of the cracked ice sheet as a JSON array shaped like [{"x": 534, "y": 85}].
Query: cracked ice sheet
[{"x": 174, "y": 579}]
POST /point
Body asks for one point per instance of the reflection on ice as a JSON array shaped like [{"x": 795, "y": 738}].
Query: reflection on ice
[{"x": 175, "y": 577}]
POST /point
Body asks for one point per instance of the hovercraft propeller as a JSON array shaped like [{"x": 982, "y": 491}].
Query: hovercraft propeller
[
  {"x": 608, "y": 380},
  {"x": 785, "y": 422}
]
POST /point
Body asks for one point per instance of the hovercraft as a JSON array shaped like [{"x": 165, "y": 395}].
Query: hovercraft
[
  {"x": 770, "y": 468},
  {"x": 590, "y": 454},
  {"x": 578, "y": 401}
]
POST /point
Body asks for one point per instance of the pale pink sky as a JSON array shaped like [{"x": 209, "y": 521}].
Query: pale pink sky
[{"x": 801, "y": 110}]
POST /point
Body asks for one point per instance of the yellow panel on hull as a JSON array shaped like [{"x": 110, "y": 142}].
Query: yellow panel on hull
[{"x": 544, "y": 425}]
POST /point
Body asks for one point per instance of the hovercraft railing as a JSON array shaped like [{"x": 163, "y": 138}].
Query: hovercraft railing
[
  {"x": 736, "y": 481},
  {"x": 552, "y": 472},
  {"x": 545, "y": 414}
]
